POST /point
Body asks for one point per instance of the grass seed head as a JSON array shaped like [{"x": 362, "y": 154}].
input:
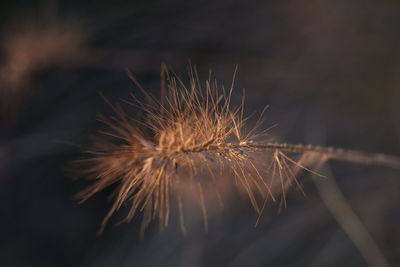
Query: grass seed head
[
  {"x": 31, "y": 46},
  {"x": 188, "y": 141}
]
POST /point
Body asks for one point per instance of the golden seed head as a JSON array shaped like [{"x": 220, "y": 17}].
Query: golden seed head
[{"x": 191, "y": 140}]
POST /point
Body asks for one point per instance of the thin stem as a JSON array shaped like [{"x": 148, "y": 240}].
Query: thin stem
[{"x": 329, "y": 152}]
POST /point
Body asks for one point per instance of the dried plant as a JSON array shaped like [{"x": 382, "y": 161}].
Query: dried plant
[
  {"x": 31, "y": 46},
  {"x": 189, "y": 142}
]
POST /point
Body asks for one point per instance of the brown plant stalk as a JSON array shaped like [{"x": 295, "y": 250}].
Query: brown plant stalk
[{"x": 186, "y": 144}]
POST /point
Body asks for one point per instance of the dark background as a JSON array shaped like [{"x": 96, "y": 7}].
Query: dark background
[{"x": 329, "y": 70}]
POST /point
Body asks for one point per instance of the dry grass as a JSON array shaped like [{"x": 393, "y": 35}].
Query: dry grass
[
  {"x": 31, "y": 46},
  {"x": 191, "y": 142}
]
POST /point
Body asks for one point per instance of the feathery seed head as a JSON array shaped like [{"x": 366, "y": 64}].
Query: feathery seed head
[{"x": 181, "y": 143}]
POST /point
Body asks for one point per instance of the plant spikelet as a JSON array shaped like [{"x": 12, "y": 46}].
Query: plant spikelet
[
  {"x": 189, "y": 141},
  {"x": 187, "y": 130}
]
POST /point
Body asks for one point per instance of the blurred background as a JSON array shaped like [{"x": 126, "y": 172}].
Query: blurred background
[{"x": 329, "y": 70}]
